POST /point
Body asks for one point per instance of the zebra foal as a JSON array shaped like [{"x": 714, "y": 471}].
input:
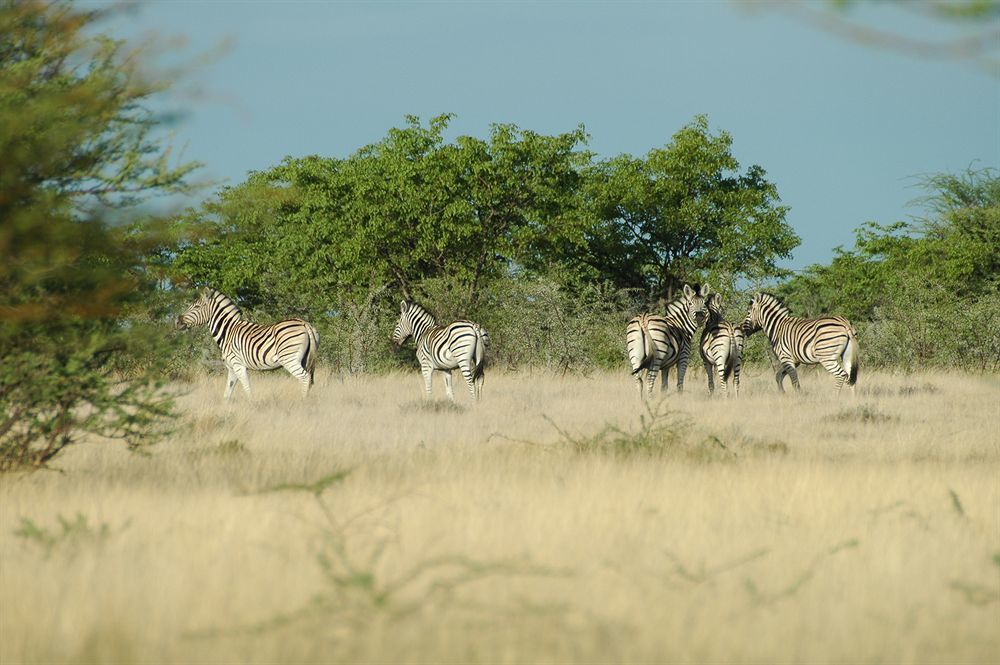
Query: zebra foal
[
  {"x": 828, "y": 340},
  {"x": 656, "y": 343},
  {"x": 721, "y": 347},
  {"x": 459, "y": 345},
  {"x": 291, "y": 344}
]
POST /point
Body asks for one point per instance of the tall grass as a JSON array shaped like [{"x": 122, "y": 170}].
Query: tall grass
[{"x": 561, "y": 520}]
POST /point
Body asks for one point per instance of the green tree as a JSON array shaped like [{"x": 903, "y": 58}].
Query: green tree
[
  {"x": 328, "y": 237},
  {"x": 681, "y": 213},
  {"x": 75, "y": 150},
  {"x": 926, "y": 289}
]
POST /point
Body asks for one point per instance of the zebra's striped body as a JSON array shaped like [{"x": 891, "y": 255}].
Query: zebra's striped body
[
  {"x": 721, "y": 348},
  {"x": 291, "y": 344},
  {"x": 458, "y": 345},
  {"x": 656, "y": 343},
  {"x": 829, "y": 341}
]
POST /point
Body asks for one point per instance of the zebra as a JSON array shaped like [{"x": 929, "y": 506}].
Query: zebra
[
  {"x": 828, "y": 340},
  {"x": 291, "y": 344},
  {"x": 459, "y": 345},
  {"x": 656, "y": 343},
  {"x": 721, "y": 347}
]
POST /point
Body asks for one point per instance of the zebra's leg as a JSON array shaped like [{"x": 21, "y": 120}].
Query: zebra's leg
[
  {"x": 723, "y": 379},
  {"x": 789, "y": 368},
  {"x": 638, "y": 382},
  {"x": 651, "y": 380},
  {"x": 736, "y": 376},
  {"x": 682, "y": 365},
  {"x": 300, "y": 373},
  {"x": 778, "y": 367},
  {"x": 241, "y": 374},
  {"x": 447, "y": 384},
  {"x": 470, "y": 380},
  {"x": 428, "y": 372},
  {"x": 663, "y": 381},
  {"x": 833, "y": 367},
  {"x": 711, "y": 379},
  {"x": 230, "y": 383}
]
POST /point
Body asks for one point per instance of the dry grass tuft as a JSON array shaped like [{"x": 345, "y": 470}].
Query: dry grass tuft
[{"x": 559, "y": 520}]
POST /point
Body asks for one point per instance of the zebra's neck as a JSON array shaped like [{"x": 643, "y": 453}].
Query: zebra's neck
[
  {"x": 772, "y": 314},
  {"x": 422, "y": 321},
  {"x": 224, "y": 313},
  {"x": 678, "y": 313}
]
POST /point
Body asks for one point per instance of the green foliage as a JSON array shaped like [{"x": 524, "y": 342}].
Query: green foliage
[
  {"x": 75, "y": 148},
  {"x": 522, "y": 232},
  {"x": 70, "y": 535},
  {"x": 408, "y": 208},
  {"x": 925, "y": 291},
  {"x": 682, "y": 213}
]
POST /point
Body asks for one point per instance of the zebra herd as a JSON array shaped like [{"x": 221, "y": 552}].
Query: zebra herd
[{"x": 654, "y": 343}]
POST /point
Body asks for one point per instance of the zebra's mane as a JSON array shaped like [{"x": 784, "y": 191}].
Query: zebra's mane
[
  {"x": 412, "y": 306},
  {"x": 220, "y": 301},
  {"x": 772, "y": 299}
]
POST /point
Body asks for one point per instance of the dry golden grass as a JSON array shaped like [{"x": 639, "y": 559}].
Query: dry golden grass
[{"x": 802, "y": 528}]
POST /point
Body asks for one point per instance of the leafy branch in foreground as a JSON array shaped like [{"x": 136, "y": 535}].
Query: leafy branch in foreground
[
  {"x": 759, "y": 597},
  {"x": 76, "y": 150},
  {"x": 73, "y": 532},
  {"x": 357, "y": 593}
]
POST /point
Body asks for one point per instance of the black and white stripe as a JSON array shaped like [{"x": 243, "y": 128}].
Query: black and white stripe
[
  {"x": 828, "y": 340},
  {"x": 656, "y": 343},
  {"x": 721, "y": 348},
  {"x": 291, "y": 344},
  {"x": 458, "y": 345}
]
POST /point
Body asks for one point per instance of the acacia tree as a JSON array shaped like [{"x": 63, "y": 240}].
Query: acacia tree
[
  {"x": 409, "y": 208},
  {"x": 683, "y": 212},
  {"x": 75, "y": 145}
]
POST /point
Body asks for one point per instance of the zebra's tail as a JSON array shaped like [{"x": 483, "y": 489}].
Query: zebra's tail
[
  {"x": 482, "y": 341},
  {"x": 851, "y": 358},
  {"x": 312, "y": 349}
]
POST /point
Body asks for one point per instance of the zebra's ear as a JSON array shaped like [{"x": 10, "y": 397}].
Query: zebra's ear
[
  {"x": 688, "y": 291},
  {"x": 717, "y": 299},
  {"x": 705, "y": 290},
  {"x": 403, "y": 306}
]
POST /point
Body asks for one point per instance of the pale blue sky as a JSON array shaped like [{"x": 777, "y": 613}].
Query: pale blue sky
[{"x": 841, "y": 128}]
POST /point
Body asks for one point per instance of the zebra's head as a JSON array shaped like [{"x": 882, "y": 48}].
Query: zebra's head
[
  {"x": 696, "y": 302},
  {"x": 763, "y": 307},
  {"x": 197, "y": 312},
  {"x": 404, "y": 327}
]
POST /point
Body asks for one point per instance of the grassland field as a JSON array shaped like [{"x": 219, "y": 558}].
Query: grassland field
[{"x": 560, "y": 520}]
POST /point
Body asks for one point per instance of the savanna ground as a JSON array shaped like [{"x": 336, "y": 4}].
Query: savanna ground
[{"x": 558, "y": 521}]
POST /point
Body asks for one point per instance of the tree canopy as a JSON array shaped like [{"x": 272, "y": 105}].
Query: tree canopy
[{"x": 415, "y": 206}]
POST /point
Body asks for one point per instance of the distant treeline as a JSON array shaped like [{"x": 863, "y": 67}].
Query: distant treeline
[
  {"x": 546, "y": 245},
  {"x": 924, "y": 292},
  {"x": 553, "y": 249}
]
